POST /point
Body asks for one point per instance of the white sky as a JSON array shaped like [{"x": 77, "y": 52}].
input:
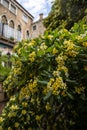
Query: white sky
[{"x": 35, "y": 7}]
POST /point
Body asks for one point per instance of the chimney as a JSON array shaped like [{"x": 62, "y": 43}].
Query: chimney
[{"x": 41, "y": 16}]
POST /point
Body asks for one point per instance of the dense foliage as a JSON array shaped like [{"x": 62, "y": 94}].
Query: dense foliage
[
  {"x": 5, "y": 65},
  {"x": 47, "y": 85},
  {"x": 65, "y": 13}
]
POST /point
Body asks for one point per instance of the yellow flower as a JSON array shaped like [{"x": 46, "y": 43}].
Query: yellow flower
[
  {"x": 32, "y": 100},
  {"x": 56, "y": 73},
  {"x": 60, "y": 60},
  {"x": 48, "y": 106},
  {"x": 51, "y": 80},
  {"x": 31, "y": 44},
  {"x": 38, "y": 118},
  {"x": 43, "y": 46},
  {"x": 64, "y": 69},
  {"x": 16, "y": 124},
  {"x": 1, "y": 128},
  {"x": 9, "y": 77},
  {"x": 12, "y": 98},
  {"x": 85, "y": 68},
  {"x": 72, "y": 53},
  {"x": 79, "y": 90},
  {"x": 9, "y": 128},
  {"x": 70, "y": 48},
  {"x": 65, "y": 30},
  {"x": 50, "y": 36},
  {"x": 24, "y": 104},
  {"x": 24, "y": 112},
  {"x": 30, "y": 129},
  {"x": 14, "y": 107},
  {"x": 58, "y": 85},
  {"x": 1, "y": 119},
  {"x": 19, "y": 51},
  {"x": 55, "y": 51},
  {"x": 28, "y": 117},
  {"x": 32, "y": 56},
  {"x": 33, "y": 86},
  {"x": 3, "y": 114},
  {"x": 84, "y": 44},
  {"x": 11, "y": 114},
  {"x": 79, "y": 37},
  {"x": 63, "y": 93}
]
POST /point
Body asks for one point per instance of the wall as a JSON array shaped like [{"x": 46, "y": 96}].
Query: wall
[{"x": 40, "y": 29}]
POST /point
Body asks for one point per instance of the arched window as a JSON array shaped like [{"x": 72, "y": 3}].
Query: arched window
[
  {"x": 11, "y": 24},
  {"x": 11, "y": 32},
  {"x": 18, "y": 33},
  {"x": 19, "y": 28},
  {"x": 4, "y": 19},
  {"x": 27, "y": 34},
  {"x": 3, "y": 28}
]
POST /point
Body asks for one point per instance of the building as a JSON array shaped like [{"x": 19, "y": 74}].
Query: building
[
  {"x": 16, "y": 23},
  {"x": 38, "y": 27}
]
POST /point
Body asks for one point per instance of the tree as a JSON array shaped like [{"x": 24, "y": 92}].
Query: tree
[
  {"x": 47, "y": 86},
  {"x": 65, "y": 13}
]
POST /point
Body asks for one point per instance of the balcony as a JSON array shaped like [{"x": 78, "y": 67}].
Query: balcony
[{"x": 9, "y": 34}]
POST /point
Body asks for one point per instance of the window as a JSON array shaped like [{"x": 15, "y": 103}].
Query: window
[
  {"x": 4, "y": 26},
  {"x": 11, "y": 30},
  {"x": 11, "y": 24},
  {"x": 13, "y": 9},
  {"x": 34, "y": 27},
  {"x": 27, "y": 34},
  {"x": 4, "y": 19},
  {"x": 6, "y": 3},
  {"x": 19, "y": 33},
  {"x": 25, "y": 18},
  {"x": 19, "y": 28}
]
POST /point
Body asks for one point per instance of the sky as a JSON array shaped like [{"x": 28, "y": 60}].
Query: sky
[{"x": 35, "y": 7}]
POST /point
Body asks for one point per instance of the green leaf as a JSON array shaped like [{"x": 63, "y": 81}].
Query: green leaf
[
  {"x": 70, "y": 95},
  {"x": 84, "y": 61},
  {"x": 48, "y": 95},
  {"x": 51, "y": 100},
  {"x": 71, "y": 81},
  {"x": 75, "y": 65},
  {"x": 42, "y": 82},
  {"x": 40, "y": 53},
  {"x": 50, "y": 49}
]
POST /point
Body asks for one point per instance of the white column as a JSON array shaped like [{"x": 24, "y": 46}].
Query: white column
[{"x": 9, "y": 5}]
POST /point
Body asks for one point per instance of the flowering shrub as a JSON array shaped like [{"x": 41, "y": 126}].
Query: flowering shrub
[
  {"x": 47, "y": 86},
  {"x": 5, "y": 65}
]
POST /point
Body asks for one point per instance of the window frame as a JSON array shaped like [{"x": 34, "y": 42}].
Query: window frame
[
  {"x": 25, "y": 18},
  {"x": 14, "y": 12},
  {"x": 4, "y": 3},
  {"x": 34, "y": 27}
]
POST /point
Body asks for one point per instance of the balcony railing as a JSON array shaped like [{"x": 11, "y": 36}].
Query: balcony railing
[{"x": 10, "y": 33}]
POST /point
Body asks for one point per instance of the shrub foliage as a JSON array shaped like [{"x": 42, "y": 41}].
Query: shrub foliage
[
  {"x": 65, "y": 13},
  {"x": 47, "y": 86}
]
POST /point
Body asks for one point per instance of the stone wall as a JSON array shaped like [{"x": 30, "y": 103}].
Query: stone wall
[{"x": 38, "y": 27}]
